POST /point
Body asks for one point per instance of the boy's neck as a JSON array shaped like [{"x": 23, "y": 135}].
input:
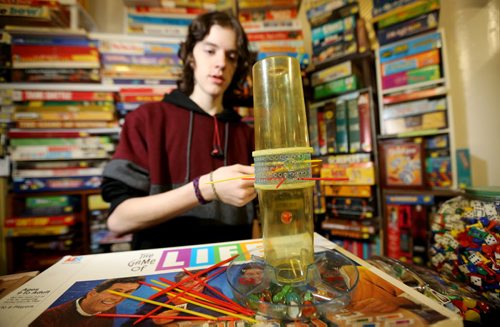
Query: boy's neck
[{"x": 209, "y": 104}]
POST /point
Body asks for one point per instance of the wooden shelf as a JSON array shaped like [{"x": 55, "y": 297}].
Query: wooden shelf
[
  {"x": 356, "y": 57},
  {"x": 81, "y": 230},
  {"x": 292, "y": 5},
  {"x": 75, "y": 87},
  {"x": 413, "y": 86},
  {"x": 435, "y": 192},
  {"x": 343, "y": 96},
  {"x": 134, "y": 38},
  {"x": 396, "y": 11},
  {"x": 414, "y": 134},
  {"x": 49, "y": 193},
  {"x": 438, "y": 91},
  {"x": 82, "y": 131},
  {"x": 409, "y": 196}
]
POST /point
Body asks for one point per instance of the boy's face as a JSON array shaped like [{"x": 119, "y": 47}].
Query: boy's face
[
  {"x": 103, "y": 301},
  {"x": 215, "y": 59}
]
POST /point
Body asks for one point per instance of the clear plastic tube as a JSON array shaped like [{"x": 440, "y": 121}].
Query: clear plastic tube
[{"x": 282, "y": 166}]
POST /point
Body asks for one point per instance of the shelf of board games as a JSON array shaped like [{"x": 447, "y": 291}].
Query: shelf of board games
[
  {"x": 347, "y": 211},
  {"x": 417, "y": 108},
  {"x": 363, "y": 62},
  {"x": 112, "y": 62},
  {"x": 38, "y": 247},
  {"x": 51, "y": 201},
  {"x": 416, "y": 145},
  {"x": 341, "y": 88},
  {"x": 68, "y": 14},
  {"x": 108, "y": 45},
  {"x": 167, "y": 18}
]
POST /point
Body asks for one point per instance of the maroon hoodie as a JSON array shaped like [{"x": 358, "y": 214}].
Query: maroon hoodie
[{"x": 164, "y": 145}]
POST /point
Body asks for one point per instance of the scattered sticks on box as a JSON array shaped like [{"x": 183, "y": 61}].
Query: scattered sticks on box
[{"x": 178, "y": 290}]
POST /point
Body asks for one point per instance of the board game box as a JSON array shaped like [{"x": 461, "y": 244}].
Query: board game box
[{"x": 46, "y": 299}]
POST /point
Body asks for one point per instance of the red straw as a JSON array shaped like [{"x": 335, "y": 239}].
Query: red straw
[{"x": 281, "y": 182}]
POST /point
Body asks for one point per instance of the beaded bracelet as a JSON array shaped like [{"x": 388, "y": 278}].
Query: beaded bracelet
[
  {"x": 213, "y": 186},
  {"x": 197, "y": 192}
]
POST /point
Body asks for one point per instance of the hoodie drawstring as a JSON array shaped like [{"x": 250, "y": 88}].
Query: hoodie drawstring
[
  {"x": 217, "y": 151},
  {"x": 216, "y": 148},
  {"x": 188, "y": 152},
  {"x": 226, "y": 138}
]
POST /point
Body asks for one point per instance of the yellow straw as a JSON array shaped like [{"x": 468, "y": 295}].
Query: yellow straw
[
  {"x": 229, "y": 179},
  {"x": 140, "y": 299}
]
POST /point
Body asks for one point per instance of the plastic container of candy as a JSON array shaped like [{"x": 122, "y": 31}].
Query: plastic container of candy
[
  {"x": 465, "y": 240},
  {"x": 327, "y": 287}
]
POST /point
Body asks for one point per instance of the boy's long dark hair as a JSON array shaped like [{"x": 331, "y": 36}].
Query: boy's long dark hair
[{"x": 198, "y": 30}]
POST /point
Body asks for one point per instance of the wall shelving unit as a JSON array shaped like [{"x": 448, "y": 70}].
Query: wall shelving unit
[{"x": 418, "y": 112}]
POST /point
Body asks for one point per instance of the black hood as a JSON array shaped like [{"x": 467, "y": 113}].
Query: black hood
[{"x": 183, "y": 101}]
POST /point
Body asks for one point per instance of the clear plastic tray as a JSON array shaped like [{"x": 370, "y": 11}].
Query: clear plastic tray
[{"x": 327, "y": 287}]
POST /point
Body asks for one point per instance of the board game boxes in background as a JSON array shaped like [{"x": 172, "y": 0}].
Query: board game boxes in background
[
  {"x": 274, "y": 28},
  {"x": 337, "y": 30},
  {"x": 342, "y": 124},
  {"x": 336, "y": 87},
  {"x": 416, "y": 162}
]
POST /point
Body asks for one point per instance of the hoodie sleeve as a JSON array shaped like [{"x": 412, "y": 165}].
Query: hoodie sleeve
[
  {"x": 129, "y": 163},
  {"x": 116, "y": 192}
]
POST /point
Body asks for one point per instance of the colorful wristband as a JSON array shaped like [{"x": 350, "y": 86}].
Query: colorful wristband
[{"x": 197, "y": 192}]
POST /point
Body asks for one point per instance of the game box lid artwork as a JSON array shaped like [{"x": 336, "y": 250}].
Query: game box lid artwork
[
  {"x": 402, "y": 163},
  {"x": 136, "y": 288}
]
